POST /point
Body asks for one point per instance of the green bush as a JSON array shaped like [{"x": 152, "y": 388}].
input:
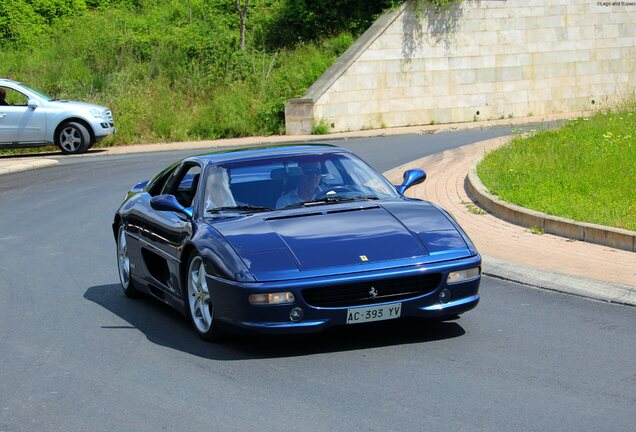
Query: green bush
[
  {"x": 19, "y": 23},
  {"x": 299, "y": 21},
  {"x": 320, "y": 128}
]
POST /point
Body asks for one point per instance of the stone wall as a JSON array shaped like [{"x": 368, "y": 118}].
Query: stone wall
[{"x": 479, "y": 60}]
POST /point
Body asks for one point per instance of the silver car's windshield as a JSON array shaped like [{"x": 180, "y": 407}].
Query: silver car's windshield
[
  {"x": 292, "y": 181},
  {"x": 37, "y": 93}
]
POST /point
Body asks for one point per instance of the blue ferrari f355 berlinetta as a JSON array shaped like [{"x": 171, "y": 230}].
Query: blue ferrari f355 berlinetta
[{"x": 291, "y": 239}]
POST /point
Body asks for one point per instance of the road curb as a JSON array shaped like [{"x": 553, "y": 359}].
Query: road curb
[
  {"x": 27, "y": 165},
  {"x": 559, "y": 282},
  {"x": 587, "y": 232}
]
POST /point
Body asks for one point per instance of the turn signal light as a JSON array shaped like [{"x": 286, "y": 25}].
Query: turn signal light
[
  {"x": 463, "y": 275},
  {"x": 272, "y": 298}
]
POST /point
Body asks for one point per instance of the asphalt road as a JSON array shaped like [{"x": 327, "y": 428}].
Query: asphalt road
[{"x": 76, "y": 355}]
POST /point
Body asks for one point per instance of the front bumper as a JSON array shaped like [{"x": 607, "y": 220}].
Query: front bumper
[
  {"x": 232, "y": 306},
  {"x": 103, "y": 127},
  {"x": 104, "y": 132}
]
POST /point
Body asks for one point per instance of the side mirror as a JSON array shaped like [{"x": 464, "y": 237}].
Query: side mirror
[
  {"x": 169, "y": 203},
  {"x": 411, "y": 178},
  {"x": 32, "y": 104}
]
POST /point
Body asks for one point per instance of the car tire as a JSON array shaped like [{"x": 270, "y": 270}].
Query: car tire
[
  {"x": 198, "y": 302},
  {"x": 72, "y": 138},
  {"x": 123, "y": 265}
]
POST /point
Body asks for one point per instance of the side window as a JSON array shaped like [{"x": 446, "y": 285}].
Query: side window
[
  {"x": 160, "y": 182},
  {"x": 183, "y": 184},
  {"x": 13, "y": 97}
]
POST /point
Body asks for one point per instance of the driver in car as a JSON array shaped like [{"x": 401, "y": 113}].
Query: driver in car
[
  {"x": 308, "y": 185},
  {"x": 3, "y": 95}
]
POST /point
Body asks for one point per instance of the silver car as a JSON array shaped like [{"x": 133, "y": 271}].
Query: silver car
[{"x": 29, "y": 118}]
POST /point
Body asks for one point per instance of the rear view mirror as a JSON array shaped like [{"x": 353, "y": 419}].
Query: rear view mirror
[
  {"x": 32, "y": 104},
  {"x": 411, "y": 178},
  {"x": 169, "y": 203}
]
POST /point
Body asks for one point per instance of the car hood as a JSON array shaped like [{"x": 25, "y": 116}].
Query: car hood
[
  {"x": 85, "y": 106},
  {"x": 337, "y": 239}
]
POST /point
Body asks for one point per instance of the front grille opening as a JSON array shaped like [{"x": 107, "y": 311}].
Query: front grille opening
[{"x": 362, "y": 293}]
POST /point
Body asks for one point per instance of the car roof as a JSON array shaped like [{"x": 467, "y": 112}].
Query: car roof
[{"x": 266, "y": 151}]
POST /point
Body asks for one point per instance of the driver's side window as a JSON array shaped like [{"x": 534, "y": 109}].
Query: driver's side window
[
  {"x": 159, "y": 183},
  {"x": 184, "y": 182},
  {"x": 14, "y": 98}
]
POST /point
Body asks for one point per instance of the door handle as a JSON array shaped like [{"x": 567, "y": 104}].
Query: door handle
[{"x": 2, "y": 115}]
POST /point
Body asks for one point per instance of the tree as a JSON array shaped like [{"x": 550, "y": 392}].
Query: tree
[{"x": 242, "y": 10}]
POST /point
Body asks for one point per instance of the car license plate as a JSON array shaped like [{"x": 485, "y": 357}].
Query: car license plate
[{"x": 374, "y": 313}]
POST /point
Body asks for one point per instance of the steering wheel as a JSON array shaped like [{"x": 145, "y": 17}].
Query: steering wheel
[{"x": 334, "y": 191}]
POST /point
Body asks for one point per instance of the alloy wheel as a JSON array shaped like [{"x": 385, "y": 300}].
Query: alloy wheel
[
  {"x": 199, "y": 296},
  {"x": 123, "y": 262},
  {"x": 70, "y": 139}
]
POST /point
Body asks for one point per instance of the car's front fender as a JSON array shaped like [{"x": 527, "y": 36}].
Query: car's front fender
[{"x": 220, "y": 258}]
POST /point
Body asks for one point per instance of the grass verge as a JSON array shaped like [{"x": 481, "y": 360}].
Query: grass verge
[{"x": 584, "y": 171}]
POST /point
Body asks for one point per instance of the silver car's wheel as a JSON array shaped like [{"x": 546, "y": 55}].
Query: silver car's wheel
[
  {"x": 123, "y": 264},
  {"x": 200, "y": 308},
  {"x": 73, "y": 138}
]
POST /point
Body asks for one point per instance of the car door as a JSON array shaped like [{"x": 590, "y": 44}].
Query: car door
[
  {"x": 20, "y": 123},
  {"x": 166, "y": 232}
]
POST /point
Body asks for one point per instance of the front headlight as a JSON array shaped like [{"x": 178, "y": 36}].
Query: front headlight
[
  {"x": 463, "y": 275},
  {"x": 98, "y": 114}
]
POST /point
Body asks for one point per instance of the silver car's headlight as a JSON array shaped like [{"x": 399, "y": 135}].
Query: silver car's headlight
[
  {"x": 98, "y": 114},
  {"x": 463, "y": 275}
]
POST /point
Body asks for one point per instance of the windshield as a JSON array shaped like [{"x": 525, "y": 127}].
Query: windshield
[
  {"x": 37, "y": 93},
  {"x": 292, "y": 181}
]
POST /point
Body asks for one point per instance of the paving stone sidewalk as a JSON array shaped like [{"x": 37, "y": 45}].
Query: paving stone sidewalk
[{"x": 446, "y": 174}]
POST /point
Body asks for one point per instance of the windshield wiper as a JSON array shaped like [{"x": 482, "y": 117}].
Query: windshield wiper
[
  {"x": 361, "y": 198},
  {"x": 245, "y": 207},
  {"x": 332, "y": 200}
]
